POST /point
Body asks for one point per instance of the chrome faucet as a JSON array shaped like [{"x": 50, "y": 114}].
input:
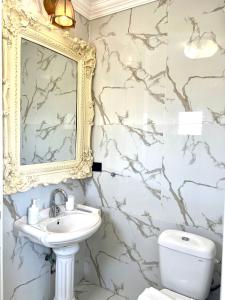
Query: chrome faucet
[{"x": 54, "y": 208}]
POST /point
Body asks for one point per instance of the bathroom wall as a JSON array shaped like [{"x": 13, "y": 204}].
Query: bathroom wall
[
  {"x": 153, "y": 176},
  {"x": 26, "y": 273},
  {"x": 160, "y": 135}
]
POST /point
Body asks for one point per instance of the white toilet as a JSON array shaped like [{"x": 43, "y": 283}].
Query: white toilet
[{"x": 186, "y": 266}]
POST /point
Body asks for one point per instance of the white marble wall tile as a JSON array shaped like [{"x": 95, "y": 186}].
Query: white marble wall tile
[
  {"x": 127, "y": 56},
  {"x": 193, "y": 165},
  {"x": 124, "y": 248},
  {"x": 130, "y": 152},
  {"x": 200, "y": 157},
  {"x": 192, "y": 83},
  {"x": 19, "y": 255},
  {"x": 154, "y": 178},
  {"x": 128, "y": 139}
]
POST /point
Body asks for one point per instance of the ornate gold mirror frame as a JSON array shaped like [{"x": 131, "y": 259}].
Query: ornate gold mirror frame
[{"x": 18, "y": 24}]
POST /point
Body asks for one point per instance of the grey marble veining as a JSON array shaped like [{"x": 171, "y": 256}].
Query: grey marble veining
[
  {"x": 88, "y": 291},
  {"x": 154, "y": 176}
]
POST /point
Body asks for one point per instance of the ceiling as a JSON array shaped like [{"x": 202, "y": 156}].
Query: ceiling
[{"x": 93, "y": 9}]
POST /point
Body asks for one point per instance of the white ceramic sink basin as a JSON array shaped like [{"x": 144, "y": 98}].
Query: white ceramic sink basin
[
  {"x": 63, "y": 234},
  {"x": 73, "y": 223},
  {"x": 66, "y": 229}
]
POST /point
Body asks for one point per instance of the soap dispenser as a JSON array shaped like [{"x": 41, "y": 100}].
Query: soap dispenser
[
  {"x": 70, "y": 203},
  {"x": 33, "y": 213}
]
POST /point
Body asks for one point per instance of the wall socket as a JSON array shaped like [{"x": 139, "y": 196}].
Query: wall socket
[{"x": 97, "y": 167}]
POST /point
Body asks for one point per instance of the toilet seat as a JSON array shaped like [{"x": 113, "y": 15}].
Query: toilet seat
[{"x": 174, "y": 296}]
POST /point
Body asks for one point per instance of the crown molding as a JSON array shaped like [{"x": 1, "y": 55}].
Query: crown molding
[
  {"x": 83, "y": 7},
  {"x": 93, "y": 9}
]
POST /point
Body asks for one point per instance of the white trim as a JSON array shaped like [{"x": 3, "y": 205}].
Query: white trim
[
  {"x": 93, "y": 9},
  {"x": 83, "y": 7},
  {"x": 107, "y": 7}
]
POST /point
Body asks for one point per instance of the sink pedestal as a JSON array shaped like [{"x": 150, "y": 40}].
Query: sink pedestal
[{"x": 64, "y": 278}]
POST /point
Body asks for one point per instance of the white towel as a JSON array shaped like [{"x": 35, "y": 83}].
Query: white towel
[{"x": 153, "y": 294}]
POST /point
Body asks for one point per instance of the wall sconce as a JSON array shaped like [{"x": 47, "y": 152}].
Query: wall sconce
[
  {"x": 202, "y": 48},
  {"x": 61, "y": 11}
]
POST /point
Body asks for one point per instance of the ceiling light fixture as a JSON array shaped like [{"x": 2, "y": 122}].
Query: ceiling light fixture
[
  {"x": 61, "y": 11},
  {"x": 49, "y": 6}
]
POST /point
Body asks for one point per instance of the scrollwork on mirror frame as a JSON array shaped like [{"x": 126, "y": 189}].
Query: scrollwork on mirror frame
[{"x": 18, "y": 23}]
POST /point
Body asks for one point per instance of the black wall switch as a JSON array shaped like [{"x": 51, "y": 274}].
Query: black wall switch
[{"x": 97, "y": 167}]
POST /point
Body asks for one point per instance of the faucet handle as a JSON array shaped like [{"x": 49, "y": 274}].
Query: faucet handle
[
  {"x": 57, "y": 210},
  {"x": 54, "y": 210}
]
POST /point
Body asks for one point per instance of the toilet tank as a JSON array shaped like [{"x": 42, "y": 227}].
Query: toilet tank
[{"x": 186, "y": 263}]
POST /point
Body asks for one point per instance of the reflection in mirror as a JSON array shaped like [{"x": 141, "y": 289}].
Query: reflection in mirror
[{"x": 48, "y": 105}]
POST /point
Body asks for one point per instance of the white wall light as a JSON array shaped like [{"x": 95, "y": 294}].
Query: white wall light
[{"x": 202, "y": 48}]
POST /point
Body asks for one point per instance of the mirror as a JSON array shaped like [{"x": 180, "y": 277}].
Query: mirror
[
  {"x": 47, "y": 102},
  {"x": 48, "y": 105}
]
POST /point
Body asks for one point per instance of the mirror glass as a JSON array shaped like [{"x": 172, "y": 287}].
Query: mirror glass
[{"x": 48, "y": 105}]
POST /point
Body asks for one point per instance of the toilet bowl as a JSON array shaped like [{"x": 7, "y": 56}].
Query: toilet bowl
[{"x": 186, "y": 263}]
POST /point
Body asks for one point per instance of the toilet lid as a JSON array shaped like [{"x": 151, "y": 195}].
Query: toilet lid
[{"x": 174, "y": 296}]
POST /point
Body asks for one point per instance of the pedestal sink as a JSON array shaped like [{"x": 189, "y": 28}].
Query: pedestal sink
[{"x": 63, "y": 234}]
